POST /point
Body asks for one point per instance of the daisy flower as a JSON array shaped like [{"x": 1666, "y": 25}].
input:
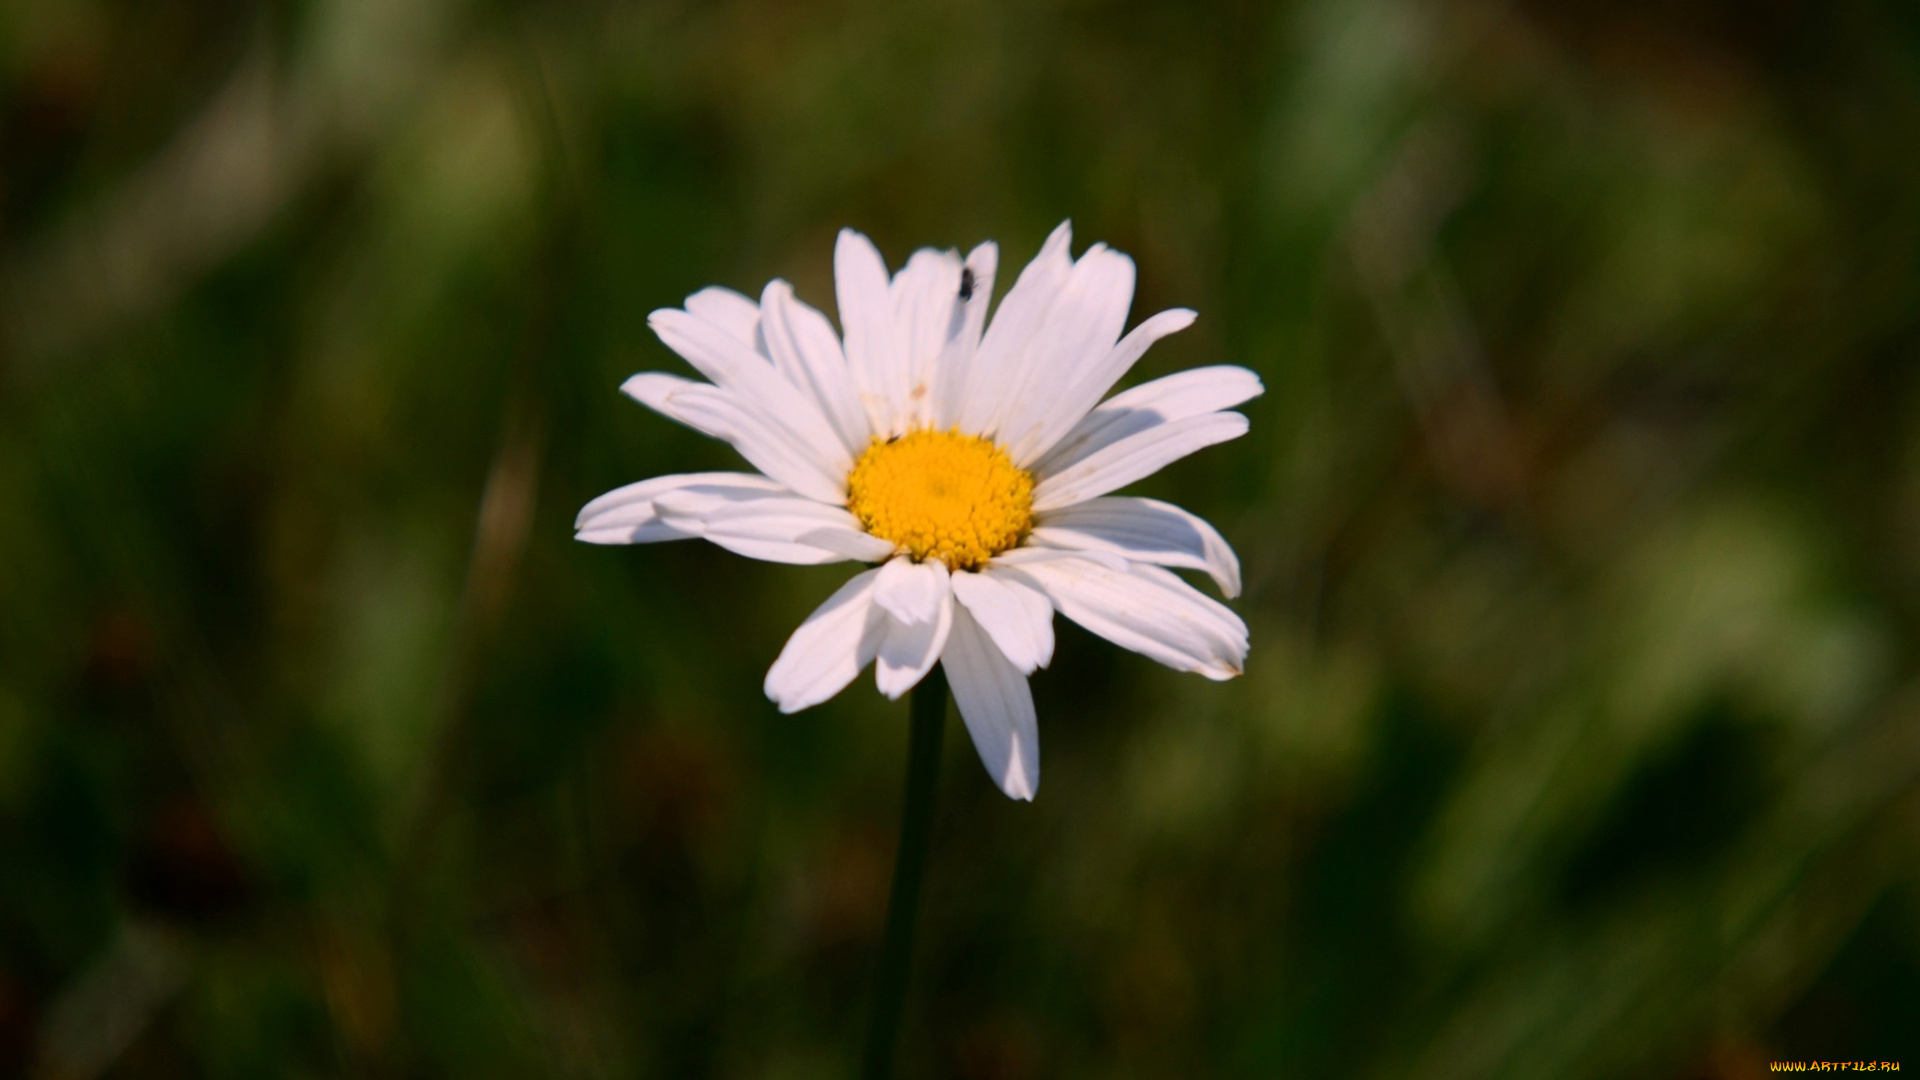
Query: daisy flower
[{"x": 972, "y": 460}]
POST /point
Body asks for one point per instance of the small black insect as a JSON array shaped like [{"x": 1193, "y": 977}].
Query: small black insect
[{"x": 966, "y": 283}]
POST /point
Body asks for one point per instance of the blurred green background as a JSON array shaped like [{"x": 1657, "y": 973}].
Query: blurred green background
[{"x": 1581, "y": 519}]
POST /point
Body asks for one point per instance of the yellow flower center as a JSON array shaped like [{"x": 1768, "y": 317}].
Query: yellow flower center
[{"x": 942, "y": 495}]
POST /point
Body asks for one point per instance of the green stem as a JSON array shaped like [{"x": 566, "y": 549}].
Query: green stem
[{"x": 929, "y": 708}]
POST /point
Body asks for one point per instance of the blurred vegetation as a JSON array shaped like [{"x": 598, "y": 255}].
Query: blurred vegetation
[{"x": 1581, "y": 733}]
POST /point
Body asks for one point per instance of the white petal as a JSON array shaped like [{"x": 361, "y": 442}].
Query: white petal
[
  {"x": 829, "y": 648},
  {"x": 777, "y": 528},
  {"x": 626, "y": 515},
  {"x": 730, "y": 311},
  {"x": 1143, "y": 530},
  {"x": 772, "y": 449},
  {"x": 805, "y": 349},
  {"x": 866, "y": 321},
  {"x": 1015, "y": 322},
  {"x": 908, "y": 650},
  {"x": 926, "y": 313},
  {"x": 954, "y": 368},
  {"x": 1013, "y": 611},
  {"x": 911, "y": 592},
  {"x": 1022, "y": 557},
  {"x": 639, "y": 496},
  {"x": 747, "y": 375},
  {"x": 643, "y": 532},
  {"x": 668, "y": 395},
  {"x": 1081, "y": 328},
  {"x": 1092, "y": 382},
  {"x": 997, "y": 706},
  {"x": 1135, "y": 457},
  {"x": 1173, "y": 397},
  {"x": 863, "y": 546},
  {"x": 1150, "y": 611}
]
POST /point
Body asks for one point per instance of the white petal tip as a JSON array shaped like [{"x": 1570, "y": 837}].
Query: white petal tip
[
  {"x": 787, "y": 705},
  {"x": 605, "y": 537},
  {"x": 1020, "y": 786},
  {"x": 636, "y": 385},
  {"x": 894, "y": 682}
]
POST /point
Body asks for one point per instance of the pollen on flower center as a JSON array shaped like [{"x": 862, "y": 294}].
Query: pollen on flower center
[{"x": 942, "y": 495}]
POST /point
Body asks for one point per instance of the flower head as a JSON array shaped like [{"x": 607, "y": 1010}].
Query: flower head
[
  {"x": 972, "y": 460},
  {"x": 942, "y": 495}
]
